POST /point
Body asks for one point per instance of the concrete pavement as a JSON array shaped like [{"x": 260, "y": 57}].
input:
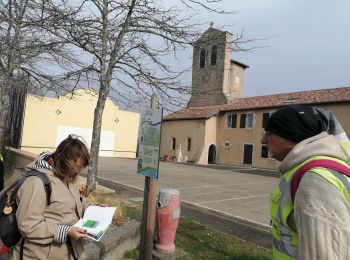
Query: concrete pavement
[
  {"x": 231, "y": 199},
  {"x": 233, "y": 191}
]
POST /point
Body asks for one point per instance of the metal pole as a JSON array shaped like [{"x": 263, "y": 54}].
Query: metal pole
[{"x": 149, "y": 210}]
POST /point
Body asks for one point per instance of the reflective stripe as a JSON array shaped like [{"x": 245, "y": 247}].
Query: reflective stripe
[
  {"x": 1, "y": 158},
  {"x": 345, "y": 181},
  {"x": 285, "y": 239},
  {"x": 282, "y": 246}
]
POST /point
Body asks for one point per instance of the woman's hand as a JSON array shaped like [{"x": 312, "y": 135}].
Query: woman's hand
[{"x": 77, "y": 233}]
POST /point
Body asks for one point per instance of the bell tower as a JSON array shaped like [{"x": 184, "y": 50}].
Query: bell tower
[{"x": 216, "y": 79}]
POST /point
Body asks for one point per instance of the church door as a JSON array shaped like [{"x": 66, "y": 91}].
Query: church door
[{"x": 212, "y": 154}]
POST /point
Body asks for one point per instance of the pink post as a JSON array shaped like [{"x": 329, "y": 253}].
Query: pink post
[{"x": 168, "y": 214}]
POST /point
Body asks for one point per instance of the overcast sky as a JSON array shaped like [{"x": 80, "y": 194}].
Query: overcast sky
[{"x": 308, "y": 43}]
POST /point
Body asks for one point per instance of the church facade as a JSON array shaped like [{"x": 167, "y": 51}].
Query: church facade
[{"x": 219, "y": 126}]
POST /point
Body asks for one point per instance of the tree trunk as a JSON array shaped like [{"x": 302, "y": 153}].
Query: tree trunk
[
  {"x": 96, "y": 136},
  {"x": 4, "y": 109}
]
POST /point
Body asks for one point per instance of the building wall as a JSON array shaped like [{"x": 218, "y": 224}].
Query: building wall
[
  {"x": 209, "y": 139},
  {"x": 47, "y": 121},
  {"x": 234, "y": 88},
  {"x": 182, "y": 130},
  {"x": 215, "y": 130},
  {"x": 237, "y": 137}
]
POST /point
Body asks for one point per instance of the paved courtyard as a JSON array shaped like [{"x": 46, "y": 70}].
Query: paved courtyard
[{"x": 239, "y": 192}]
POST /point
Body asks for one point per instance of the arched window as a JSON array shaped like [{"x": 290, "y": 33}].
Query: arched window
[
  {"x": 202, "y": 59},
  {"x": 214, "y": 51}
]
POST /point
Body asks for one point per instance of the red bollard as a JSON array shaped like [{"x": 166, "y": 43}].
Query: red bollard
[{"x": 168, "y": 215}]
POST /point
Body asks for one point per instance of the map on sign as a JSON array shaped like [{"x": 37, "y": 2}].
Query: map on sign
[{"x": 149, "y": 140}]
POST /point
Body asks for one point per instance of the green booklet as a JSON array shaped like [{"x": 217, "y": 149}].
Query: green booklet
[{"x": 96, "y": 221}]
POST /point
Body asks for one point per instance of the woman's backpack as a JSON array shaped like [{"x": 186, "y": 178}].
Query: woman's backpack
[{"x": 9, "y": 232}]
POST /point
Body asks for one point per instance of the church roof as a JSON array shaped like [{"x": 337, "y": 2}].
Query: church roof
[
  {"x": 194, "y": 113},
  {"x": 312, "y": 97},
  {"x": 244, "y": 66}
]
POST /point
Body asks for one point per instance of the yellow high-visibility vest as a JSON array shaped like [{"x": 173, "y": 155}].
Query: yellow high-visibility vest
[{"x": 285, "y": 239}]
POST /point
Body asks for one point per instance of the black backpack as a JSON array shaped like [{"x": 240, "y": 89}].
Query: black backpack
[{"x": 9, "y": 232}]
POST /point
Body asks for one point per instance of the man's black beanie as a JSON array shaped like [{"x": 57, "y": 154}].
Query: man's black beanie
[{"x": 296, "y": 123}]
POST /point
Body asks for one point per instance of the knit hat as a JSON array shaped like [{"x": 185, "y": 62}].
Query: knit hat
[{"x": 296, "y": 123}]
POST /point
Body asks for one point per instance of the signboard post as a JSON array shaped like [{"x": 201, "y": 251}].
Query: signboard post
[
  {"x": 148, "y": 165},
  {"x": 149, "y": 140}
]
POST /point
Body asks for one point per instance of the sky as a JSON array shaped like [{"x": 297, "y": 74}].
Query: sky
[
  {"x": 307, "y": 43},
  {"x": 304, "y": 44}
]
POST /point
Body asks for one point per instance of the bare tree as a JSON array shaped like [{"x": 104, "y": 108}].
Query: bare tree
[
  {"x": 27, "y": 52},
  {"x": 126, "y": 44}
]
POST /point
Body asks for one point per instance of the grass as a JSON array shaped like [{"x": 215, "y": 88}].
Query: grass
[
  {"x": 125, "y": 208},
  {"x": 201, "y": 242}
]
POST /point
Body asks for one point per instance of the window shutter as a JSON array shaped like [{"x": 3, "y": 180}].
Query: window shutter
[
  {"x": 189, "y": 144},
  {"x": 243, "y": 120},
  {"x": 228, "y": 120},
  {"x": 264, "y": 152},
  {"x": 265, "y": 118},
  {"x": 174, "y": 143},
  {"x": 234, "y": 120}
]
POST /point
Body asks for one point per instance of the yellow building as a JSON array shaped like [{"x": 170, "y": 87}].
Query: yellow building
[
  {"x": 230, "y": 133},
  {"x": 47, "y": 121}
]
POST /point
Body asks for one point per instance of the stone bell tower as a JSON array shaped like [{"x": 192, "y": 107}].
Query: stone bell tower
[{"x": 216, "y": 79}]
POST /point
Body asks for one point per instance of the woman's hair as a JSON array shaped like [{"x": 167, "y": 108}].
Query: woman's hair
[{"x": 70, "y": 155}]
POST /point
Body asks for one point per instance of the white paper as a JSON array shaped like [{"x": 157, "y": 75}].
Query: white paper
[
  {"x": 103, "y": 214},
  {"x": 96, "y": 221}
]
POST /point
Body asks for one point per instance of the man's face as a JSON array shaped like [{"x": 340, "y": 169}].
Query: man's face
[{"x": 278, "y": 146}]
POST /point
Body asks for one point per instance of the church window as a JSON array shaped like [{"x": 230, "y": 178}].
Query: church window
[
  {"x": 250, "y": 118},
  {"x": 264, "y": 152},
  {"x": 265, "y": 118},
  {"x": 173, "y": 143},
  {"x": 202, "y": 59},
  {"x": 189, "y": 144},
  {"x": 214, "y": 51},
  {"x": 231, "y": 120},
  {"x": 246, "y": 120}
]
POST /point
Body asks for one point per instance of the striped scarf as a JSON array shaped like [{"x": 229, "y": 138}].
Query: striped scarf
[{"x": 40, "y": 162}]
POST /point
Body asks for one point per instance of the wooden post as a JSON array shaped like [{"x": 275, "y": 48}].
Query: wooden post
[{"x": 149, "y": 210}]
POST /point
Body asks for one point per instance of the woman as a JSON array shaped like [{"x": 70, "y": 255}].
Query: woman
[{"x": 47, "y": 230}]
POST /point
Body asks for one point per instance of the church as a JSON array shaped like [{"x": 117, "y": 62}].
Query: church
[{"x": 219, "y": 126}]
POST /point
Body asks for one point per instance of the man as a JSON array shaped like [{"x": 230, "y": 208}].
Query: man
[{"x": 317, "y": 226}]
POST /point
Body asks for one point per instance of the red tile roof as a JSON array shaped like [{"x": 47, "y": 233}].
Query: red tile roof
[
  {"x": 194, "y": 113},
  {"x": 313, "y": 97}
]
